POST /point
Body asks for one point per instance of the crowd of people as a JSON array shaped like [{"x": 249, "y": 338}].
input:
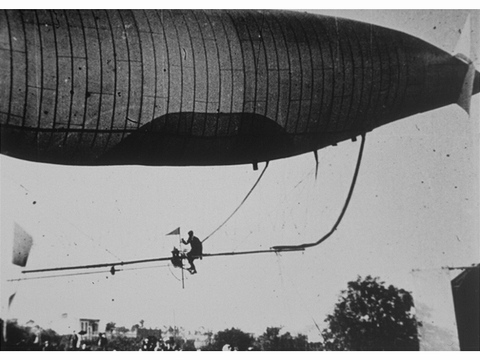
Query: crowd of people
[
  {"x": 152, "y": 344},
  {"x": 75, "y": 343}
]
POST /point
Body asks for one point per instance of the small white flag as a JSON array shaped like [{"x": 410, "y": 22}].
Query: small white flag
[{"x": 174, "y": 232}]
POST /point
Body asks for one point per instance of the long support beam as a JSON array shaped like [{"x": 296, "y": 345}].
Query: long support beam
[{"x": 123, "y": 263}]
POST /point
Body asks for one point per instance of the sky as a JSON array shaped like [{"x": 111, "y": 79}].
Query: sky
[{"x": 415, "y": 206}]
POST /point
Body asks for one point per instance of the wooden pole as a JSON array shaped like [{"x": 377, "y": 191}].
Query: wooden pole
[
  {"x": 121, "y": 263},
  {"x": 180, "y": 242}
]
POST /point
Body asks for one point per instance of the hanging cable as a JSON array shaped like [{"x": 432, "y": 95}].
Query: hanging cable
[
  {"x": 345, "y": 206},
  {"x": 239, "y": 206}
]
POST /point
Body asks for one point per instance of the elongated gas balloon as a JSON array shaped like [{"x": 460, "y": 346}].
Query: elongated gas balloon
[{"x": 109, "y": 87}]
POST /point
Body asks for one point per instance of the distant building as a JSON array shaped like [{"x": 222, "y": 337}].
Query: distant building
[
  {"x": 123, "y": 332},
  {"x": 201, "y": 340},
  {"x": 68, "y": 323},
  {"x": 143, "y": 333},
  {"x": 447, "y": 311},
  {"x": 89, "y": 327},
  {"x": 466, "y": 299}
]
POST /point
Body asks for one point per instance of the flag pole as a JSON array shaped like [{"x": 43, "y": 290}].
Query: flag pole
[
  {"x": 175, "y": 232},
  {"x": 180, "y": 244}
]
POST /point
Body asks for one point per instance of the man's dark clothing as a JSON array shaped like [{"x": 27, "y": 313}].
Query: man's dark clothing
[{"x": 195, "y": 252}]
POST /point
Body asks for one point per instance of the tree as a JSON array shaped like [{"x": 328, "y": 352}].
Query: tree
[
  {"x": 271, "y": 340},
  {"x": 189, "y": 345},
  {"x": 370, "y": 316},
  {"x": 110, "y": 327},
  {"x": 121, "y": 330},
  {"x": 236, "y": 338},
  {"x": 18, "y": 337},
  {"x": 120, "y": 343},
  {"x": 23, "y": 337}
]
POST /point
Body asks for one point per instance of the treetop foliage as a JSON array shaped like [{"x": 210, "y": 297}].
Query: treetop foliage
[{"x": 371, "y": 316}]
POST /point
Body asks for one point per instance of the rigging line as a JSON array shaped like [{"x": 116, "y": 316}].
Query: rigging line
[
  {"x": 122, "y": 263},
  {"x": 144, "y": 267},
  {"x": 92, "y": 239},
  {"x": 302, "y": 180},
  {"x": 318, "y": 327},
  {"x": 286, "y": 299},
  {"x": 171, "y": 272},
  {"x": 84, "y": 273},
  {"x": 238, "y": 207},
  {"x": 302, "y": 301},
  {"x": 70, "y": 223},
  {"x": 57, "y": 276},
  {"x": 276, "y": 207},
  {"x": 345, "y": 206}
]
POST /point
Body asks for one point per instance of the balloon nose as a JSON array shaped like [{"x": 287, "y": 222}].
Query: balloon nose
[{"x": 445, "y": 78}]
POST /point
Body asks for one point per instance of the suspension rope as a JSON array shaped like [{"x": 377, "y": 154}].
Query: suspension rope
[
  {"x": 239, "y": 206},
  {"x": 345, "y": 206}
]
